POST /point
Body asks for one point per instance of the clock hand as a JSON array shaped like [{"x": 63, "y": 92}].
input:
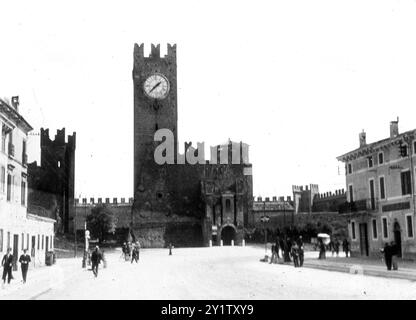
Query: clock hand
[{"x": 158, "y": 84}]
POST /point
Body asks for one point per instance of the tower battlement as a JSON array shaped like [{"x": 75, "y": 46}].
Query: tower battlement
[
  {"x": 59, "y": 140},
  {"x": 154, "y": 52}
]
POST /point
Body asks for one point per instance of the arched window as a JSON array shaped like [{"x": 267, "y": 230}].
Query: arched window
[{"x": 228, "y": 205}]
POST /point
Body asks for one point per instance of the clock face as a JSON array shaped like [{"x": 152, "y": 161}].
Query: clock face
[{"x": 156, "y": 86}]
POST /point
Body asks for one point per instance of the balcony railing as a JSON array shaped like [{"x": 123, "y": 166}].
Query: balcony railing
[
  {"x": 11, "y": 149},
  {"x": 368, "y": 205}
]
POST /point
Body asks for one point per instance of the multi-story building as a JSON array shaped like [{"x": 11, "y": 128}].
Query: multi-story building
[
  {"x": 19, "y": 229},
  {"x": 381, "y": 193}
]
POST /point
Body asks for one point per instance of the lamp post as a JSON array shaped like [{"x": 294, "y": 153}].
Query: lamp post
[{"x": 265, "y": 219}]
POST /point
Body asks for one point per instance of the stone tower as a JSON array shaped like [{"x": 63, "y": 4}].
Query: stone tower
[
  {"x": 52, "y": 184},
  {"x": 155, "y": 107}
]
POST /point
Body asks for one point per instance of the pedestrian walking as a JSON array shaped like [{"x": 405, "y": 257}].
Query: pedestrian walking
[
  {"x": 170, "y": 248},
  {"x": 24, "y": 264},
  {"x": 387, "y": 255},
  {"x": 136, "y": 252},
  {"x": 276, "y": 247},
  {"x": 394, "y": 254},
  {"x": 346, "y": 247},
  {"x": 7, "y": 264},
  {"x": 273, "y": 249},
  {"x": 124, "y": 251},
  {"x": 295, "y": 254},
  {"x": 128, "y": 251},
  {"x": 331, "y": 247},
  {"x": 336, "y": 247},
  {"x": 282, "y": 246},
  {"x": 286, "y": 252},
  {"x": 96, "y": 258},
  {"x": 301, "y": 251},
  {"x": 322, "y": 250}
]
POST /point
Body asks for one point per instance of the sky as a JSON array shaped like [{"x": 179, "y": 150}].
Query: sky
[{"x": 297, "y": 80}]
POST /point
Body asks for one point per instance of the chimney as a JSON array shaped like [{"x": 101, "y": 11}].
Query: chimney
[
  {"x": 363, "y": 141},
  {"x": 15, "y": 103},
  {"x": 394, "y": 128}
]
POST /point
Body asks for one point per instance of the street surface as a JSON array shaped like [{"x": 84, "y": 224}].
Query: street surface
[{"x": 201, "y": 273}]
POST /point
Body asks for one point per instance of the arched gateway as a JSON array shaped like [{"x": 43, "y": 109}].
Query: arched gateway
[{"x": 228, "y": 233}]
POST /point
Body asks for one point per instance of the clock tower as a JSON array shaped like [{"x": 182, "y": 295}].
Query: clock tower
[{"x": 155, "y": 107}]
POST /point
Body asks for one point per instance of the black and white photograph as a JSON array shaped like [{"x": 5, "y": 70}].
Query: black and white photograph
[{"x": 222, "y": 152}]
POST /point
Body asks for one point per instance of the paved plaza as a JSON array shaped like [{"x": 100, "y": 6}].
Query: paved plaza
[{"x": 201, "y": 273}]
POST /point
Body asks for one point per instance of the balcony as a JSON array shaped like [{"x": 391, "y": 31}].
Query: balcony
[
  {"x": 11, "y": 150},
  {"x": 367, "y": 205}
]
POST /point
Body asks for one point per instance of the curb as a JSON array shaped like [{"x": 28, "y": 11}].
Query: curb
[{"x": 364, "y": 271}]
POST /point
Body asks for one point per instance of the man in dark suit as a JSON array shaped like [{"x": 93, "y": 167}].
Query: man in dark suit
[
  {"x": 24, "y": 264},
  {"x": 7, "y": 264},
  {"x": 301, "y": 251},
  {"x": 96, "y": 258}
]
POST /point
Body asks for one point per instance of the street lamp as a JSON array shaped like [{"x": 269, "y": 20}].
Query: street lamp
[{"x": 265, "y": 219}]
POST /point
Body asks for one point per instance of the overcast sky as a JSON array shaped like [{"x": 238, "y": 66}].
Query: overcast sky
[{"x": 297, "y": 80}]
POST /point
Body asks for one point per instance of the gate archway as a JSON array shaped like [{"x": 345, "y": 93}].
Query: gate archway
[{"x": 228, "y": 233}]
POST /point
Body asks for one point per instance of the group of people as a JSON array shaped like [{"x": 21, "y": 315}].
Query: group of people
[
  {"x": 289, "y": 249},
  {"x": 131, "y": 251},
  {"x": 333, "y": 246},
  {"x": 7, "y": 264},
  {"x": 391, "y": 251}
]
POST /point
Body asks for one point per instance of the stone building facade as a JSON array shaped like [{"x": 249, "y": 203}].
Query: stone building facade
[
  {"x": 183, "y": 203},
  {"x": 52, "y": 183},
  {"x": 20, "y": 228},
  {"x": 381, "y": 193},
  {"x": 280, "y": 212}
]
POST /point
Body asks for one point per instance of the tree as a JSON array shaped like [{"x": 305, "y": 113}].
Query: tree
[{"x": 100, "y": 222}]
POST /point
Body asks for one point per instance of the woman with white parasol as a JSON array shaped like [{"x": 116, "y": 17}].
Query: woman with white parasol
[{"x": 323, "y": 240}]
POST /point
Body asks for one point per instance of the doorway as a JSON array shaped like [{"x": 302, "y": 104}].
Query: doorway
[
  {"x": 363, "y": 239},
  {"x": 398, "y": 238},
  {"x": 227, "y": 234}
]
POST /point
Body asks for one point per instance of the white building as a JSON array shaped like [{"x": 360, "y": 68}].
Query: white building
[{"x": 18, "y": 228}]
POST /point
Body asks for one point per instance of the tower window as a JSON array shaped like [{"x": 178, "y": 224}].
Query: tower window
[
  {"x": 370, "y": 162},
  {"x": 381, "y": 158}
]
